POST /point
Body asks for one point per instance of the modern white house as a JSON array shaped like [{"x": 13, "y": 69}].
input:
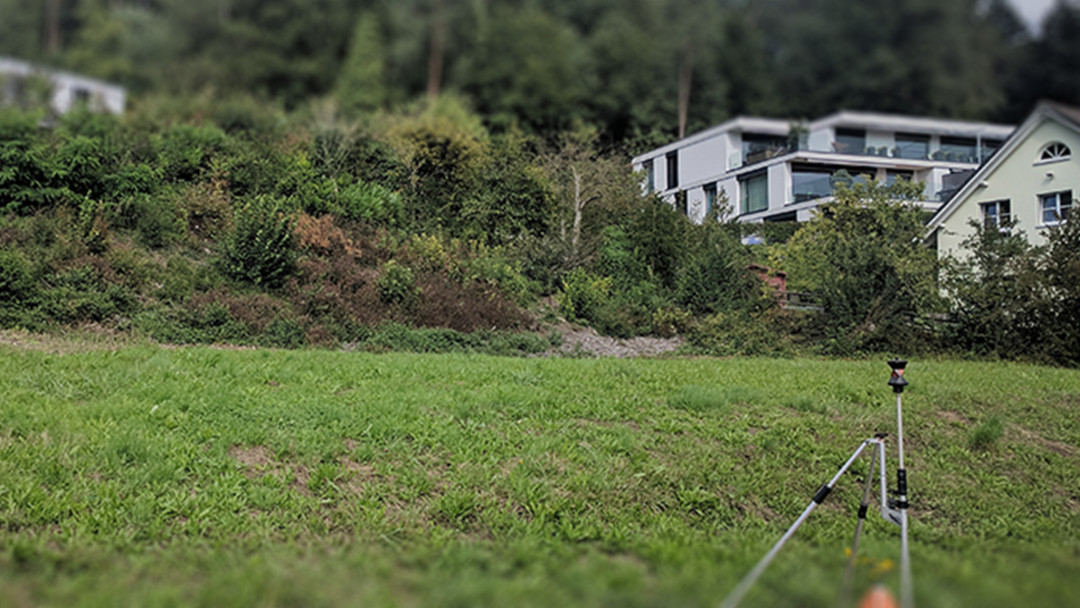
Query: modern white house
[
  {"x": 1031, "y": 184},
  {"x": 781, "y": 170},
  {"x": 66, "y": 90}
]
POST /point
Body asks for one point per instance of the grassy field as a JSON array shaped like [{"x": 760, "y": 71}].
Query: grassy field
[{"x": 146, "y": 476}]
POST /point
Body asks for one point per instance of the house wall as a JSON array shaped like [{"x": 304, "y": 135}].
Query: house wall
[
  {"x": 1020, "y": 178},
  {"x": 702, "y": 160}
]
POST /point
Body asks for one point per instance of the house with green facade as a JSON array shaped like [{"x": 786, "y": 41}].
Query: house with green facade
[{"x": 1029, "y": 185}]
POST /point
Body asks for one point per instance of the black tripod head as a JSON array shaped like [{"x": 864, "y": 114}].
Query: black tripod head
[{"x": 896, "y": 379}]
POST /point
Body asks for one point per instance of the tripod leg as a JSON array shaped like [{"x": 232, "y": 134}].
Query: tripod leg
[
  {"x": 849, "y": 573},
  {"x": 748, "y": 581}
]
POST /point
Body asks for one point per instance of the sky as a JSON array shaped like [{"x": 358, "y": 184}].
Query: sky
[{"x": 1032, "y": 11}]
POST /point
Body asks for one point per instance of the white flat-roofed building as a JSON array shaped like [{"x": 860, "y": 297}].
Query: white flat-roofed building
[
  {"x": 66, "y": 90},
  {"x": 781, "y": 170}
]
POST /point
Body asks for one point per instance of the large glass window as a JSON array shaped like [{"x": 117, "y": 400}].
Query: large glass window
[
  {"x": 1055, "y": 207},
  {"x": 672, "y": 170},
  {"x": 989, "y": 147},
  {"x": 958, "y": 149},
  {"x": 809, "y": 183},
  {"x": 850, "y": 141},
  {"x": 756, "y": 148},
  {"x": 909, "y": 145},
  {"x": 755, "y": 193},
  {"x": 996, "y": 214}
]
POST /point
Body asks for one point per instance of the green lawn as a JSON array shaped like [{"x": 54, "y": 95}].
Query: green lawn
[{"x": 149, "y": 476}]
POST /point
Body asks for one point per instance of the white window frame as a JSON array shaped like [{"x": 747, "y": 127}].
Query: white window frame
[
  {"x": 1061, "y": 210},
  {"x": 1053, "y": 152},
  {"x": 1002, "y": 215}
]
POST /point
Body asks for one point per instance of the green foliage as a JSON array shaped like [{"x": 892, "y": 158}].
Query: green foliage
[
  {"x": 185, "y": 152},
  {"x": 261, "y": 249},
  {"x": 701, "y": 398},
  {"x": 713, "y": 275},
  {"x": 18, "y": 288},
  {"x": 397, "y": 285},
  {"x": 361, "y": 84},
  {"x": 741, "y": 332},
  {"x": 584, "y": 295},
  {"x": 513, "y": 197},
  {"x": 991, "y": 293},
  {"x": 443, "y": 147},
  {"x": 986, "y": 434},
  {"x": 1012, "y": 300},
  {"x": 862, "y": 254},
  {"x": 25, "y": 184},
  {"x": 369, "y": 202}
]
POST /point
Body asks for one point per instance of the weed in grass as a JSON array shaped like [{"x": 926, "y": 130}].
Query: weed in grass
[
  {"x": 984, "y": 436},
  {"x": 806, "y": 403},
  {"x": 700, "y": 398}
]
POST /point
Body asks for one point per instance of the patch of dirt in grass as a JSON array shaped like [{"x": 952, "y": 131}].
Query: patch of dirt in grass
[
  {"x": 951, "y": 416},
  {"x": 359, "y": 475},
  {"x": 255, "y": 458},
  {"x": 87, "y": 338},
  {"x": 259, "y": 461},
  {"x": 1057, "y": 447},
  {"x": 585, "y": 341}
]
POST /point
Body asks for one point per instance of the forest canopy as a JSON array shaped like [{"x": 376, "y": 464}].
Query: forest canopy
[{"x": 640, "y": 71}]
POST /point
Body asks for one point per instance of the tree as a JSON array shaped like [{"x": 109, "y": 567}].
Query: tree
[
  {"x": 361, "y": 85},
  {"x": 585, "y": 179},
  {"x": 862, "y": 254},
  {"x": 526, "y": 68},
  {"x": 991, "y": 292},
  {"x": 1058, "y": 55}
]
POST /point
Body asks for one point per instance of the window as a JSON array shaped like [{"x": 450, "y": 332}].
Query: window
[
  {"x": 672, "y": 170},
  {"x": 710, "y": 198},
  {"x": 850, "y": 141},
  {"x": 989, "y": 147},
  {"x": 1055, "y": 151},
  {"x": 996, "y": 213},
  {"x": 912, "y": 146},
  {"x": 756, "y": 148},
  {"x": 958, "y": 149},
  {"x": 650, "y": 175},
  {"x": 680, "y": 203},
  {"x": 755, "y": 193},
  {"x": 1055, "y": 207},
  {"x": 809, "y": 182}
]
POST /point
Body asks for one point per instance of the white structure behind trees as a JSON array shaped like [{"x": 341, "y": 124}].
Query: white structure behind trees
[
  {"x": 20, "y": 81},
  {"x": 781, "y": 170}
]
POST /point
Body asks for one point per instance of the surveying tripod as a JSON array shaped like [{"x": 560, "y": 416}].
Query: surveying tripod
[{"x": 894, "y": 510}]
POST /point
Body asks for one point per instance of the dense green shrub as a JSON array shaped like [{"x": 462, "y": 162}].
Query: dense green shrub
[
  {"x": 1013, "y": 300},
  {"x": 185, "y": 151},
  {"x": 158, "y": 222},
  {"x": 583, "y": 295},
  {"x": 17, "y": 285},
  {"x": 261, "y": 249},
  {"x": 862, "y": 254},
  {"x": 283, "y": 333},
  {"x": 368, "y": 202},
  {"x": 713, "y": 275},
  {"x": 397, "y": 285}
]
